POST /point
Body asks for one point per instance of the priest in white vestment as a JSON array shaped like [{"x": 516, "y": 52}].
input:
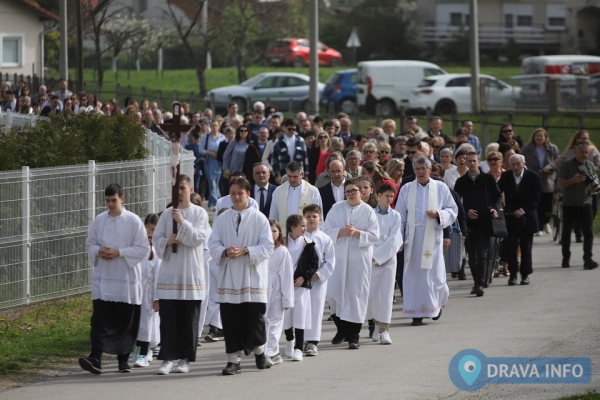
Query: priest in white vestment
[
  {"x": 116, "y": 244},
  {"x": 241, "y": 244},
  {"x": 180, "y": 288},
  {"x": 426, "y": 207},
  {"x": 292, "y": 196},
  {"x": 353, "y": 227}
]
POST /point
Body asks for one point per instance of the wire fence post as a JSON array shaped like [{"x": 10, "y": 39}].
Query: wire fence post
[
  {"x": 25, "y": 226},
  {"x": 91, "y": 198},
  {"x": 151, "y": 174}
]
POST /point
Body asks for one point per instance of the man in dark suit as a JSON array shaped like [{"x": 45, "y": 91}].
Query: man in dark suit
[
  {"x": 333, "y": 192},
  {"x": 522, "y": 190},
  {"x": 262, "y": 190},
  {"x": 255, "y": 152}
]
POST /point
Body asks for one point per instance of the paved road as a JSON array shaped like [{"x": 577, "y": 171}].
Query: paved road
[{"x": 557, "y": 315}]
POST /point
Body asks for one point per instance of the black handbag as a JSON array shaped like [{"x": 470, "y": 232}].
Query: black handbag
[{"x": 496, "y": 226}]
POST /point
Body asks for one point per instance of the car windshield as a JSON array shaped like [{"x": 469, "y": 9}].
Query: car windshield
[
  {"x": 281, "y": 43},
  {"x": 433, "y": 71},
  {"x": 252, "y": 81},
  {"x": 426, "y": 83}
]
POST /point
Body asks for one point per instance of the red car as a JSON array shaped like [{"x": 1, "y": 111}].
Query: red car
[{"x": 296, "y": 52}]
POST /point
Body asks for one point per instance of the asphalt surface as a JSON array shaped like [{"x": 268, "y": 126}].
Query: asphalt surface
[{"x": 555, "y": 316}]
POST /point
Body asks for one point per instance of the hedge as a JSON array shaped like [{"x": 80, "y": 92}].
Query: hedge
[{"x": 70, "y": 139}]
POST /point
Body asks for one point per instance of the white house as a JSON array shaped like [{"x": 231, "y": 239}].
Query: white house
[
  {"x": 537, "y": 26},
  {"x": 21, "y": 22}
]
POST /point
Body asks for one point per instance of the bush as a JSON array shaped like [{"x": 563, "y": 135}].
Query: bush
[{"x": 70, "y": 139}]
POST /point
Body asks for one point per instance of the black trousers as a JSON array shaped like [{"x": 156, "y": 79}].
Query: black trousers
[
  {"x": 114, "y": 327},
  {"x": 525, "y": 243},
  {"x": 243, "y": 326},
  {"x": 544, "y": 209},
  {"x": 178, "y": 329},
  {"x": 400, "y": 270},
  {"x": 478, "y": 244},
  {"x": 584, "y": 216}
]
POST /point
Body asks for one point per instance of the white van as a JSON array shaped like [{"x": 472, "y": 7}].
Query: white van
[
  {"x": 565, "y": 67},
  {"x": 389, "y": 83}
]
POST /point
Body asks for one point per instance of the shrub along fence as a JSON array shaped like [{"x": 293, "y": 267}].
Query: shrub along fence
[{"x": 45, "y": 214}]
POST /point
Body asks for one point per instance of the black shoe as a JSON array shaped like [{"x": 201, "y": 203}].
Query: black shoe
[
  {"x": 330, "y": 319},
  {"x": 590, "y": 264},
  {"x": 417, "y": 322},
  {"x": 219, "y": 332},
  {"x": 371, "y": 327},
  {"x": 232, "y": 369},
  {"x": 353, "y": 345},
  {"x": 565, "y": 263},
  {"x": 338, "y": 338},
  {"x": 124, "y": 367},
  {"x": 455, "y": 275},
  {"x": 474, "y": 290},
  {"x": 478, "y": 291},
  {"x": 525, "y": 280},
  {"x": 211, "y": 336},
  {"x": 462, "y": 277},
  {"x": 90, "y": 365},
  {"x": 512, "y": 281},
  {"x": 438, "y": 316},
  {"x": 261, "y": 360}
]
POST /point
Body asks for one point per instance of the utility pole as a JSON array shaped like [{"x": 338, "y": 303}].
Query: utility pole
[
  {"x": 63, "y": 64},
  {"x": 79, "y": 46},
  {"x": 314, "y": 58},
  {"x": 474, "y": 55}
]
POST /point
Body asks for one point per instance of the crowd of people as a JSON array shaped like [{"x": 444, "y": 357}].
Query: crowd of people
[{"x": 308, "y": 213}]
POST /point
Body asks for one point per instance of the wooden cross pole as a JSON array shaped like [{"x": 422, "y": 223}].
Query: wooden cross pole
[{"x": 175, "y": 128}]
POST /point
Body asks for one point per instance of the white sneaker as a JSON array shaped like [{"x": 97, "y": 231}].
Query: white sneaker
[
  {"x": 385, "y": 338},
  {"x": 165, "y": 368},
  {"x": 547, "y": 229},
  {"x": 298, "y": 356},
  {"x": 149, "y": 356},
  {"x": 289, "y": 348},
  {"x": 540, "y": 233},
  {"x": 268, "y": 362},
  {"x": 183, "y": 366},
  {"x": 311, "y": 350},
  {"x": 276, "y": 359},
  {"x": 135, "y": 354},
  {"x": 376, "y": 335},
  {"x": 141, "y": 362}
]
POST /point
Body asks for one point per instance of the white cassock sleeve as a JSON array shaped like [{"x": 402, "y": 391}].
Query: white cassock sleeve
[
  {"x": 391, "y": 245},
  {"x": 195, "y": 232},
  {"x": 135, "y": 253},
  {"x": 370, "y": 236},
  {"x": 332, "y": 226},
  {"x": 92, "y": 242},
  {"x": 327, "y": 259},
  {"x": 286, "y": 276},
  {"x": 216, "y": 244},
  {"x": 448, "y": 209},
  {"x": 264, "y": 249},
  {"x": 162, "y": 233}
]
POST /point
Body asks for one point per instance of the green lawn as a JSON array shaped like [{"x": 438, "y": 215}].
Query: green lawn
[
  {"x": 48, "y": 334},
  {"x": 592, "y": 395}
]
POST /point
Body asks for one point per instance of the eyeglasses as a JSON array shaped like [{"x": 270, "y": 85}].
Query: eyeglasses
[
  {"x": 493, "y": 159},
  {"x": 291, "y": 129},
  {"x": 243, "y": 130},
  {"x": 261, "y": 172},
  {"x": 410, "y": 153},
  {"x": 323, "y": 137},
  {"x": 350, "y": 192},
  {"x": 507, "y": 131},
  {"x": 353, "y": 159}
]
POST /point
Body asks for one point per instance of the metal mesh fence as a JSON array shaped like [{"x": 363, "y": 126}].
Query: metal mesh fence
[{"x": 45, "y": 214}]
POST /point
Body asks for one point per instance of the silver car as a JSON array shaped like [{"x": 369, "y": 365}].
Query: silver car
[{"x": 274, "y": 88}]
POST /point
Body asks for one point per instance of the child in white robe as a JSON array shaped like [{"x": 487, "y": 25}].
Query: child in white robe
[
  {"x": 149, "y": 331},
  {"x": 306, "y": 262},
  {"x": 281, "y": 293},
  {"x": 383, "y": 273},
  {"x": 325, "y": 250}
]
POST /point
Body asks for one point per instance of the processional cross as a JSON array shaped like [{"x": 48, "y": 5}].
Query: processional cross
[{"x": 174, "y": 129}]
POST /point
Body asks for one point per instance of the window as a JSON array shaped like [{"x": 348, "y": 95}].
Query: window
[
  {"x": 432, "y": 71},
  {"x": 268, "y": 82},
  {"x": 292, "y": 81},
  {"x": 556, "y": 17},
  {"x": 524, "y": 20},
  {"x": 459, "y": 82},
  {"x": 12, "y": 51},
  {"x": 456, "y": 19}
]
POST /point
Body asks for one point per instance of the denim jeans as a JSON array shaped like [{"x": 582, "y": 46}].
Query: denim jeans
[{"x": 213, "y": 184}]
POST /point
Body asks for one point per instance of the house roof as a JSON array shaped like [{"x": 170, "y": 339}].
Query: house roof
[{"x": 40, "y": 10}]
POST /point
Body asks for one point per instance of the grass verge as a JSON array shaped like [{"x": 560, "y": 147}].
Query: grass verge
[
  {"x": 591, "y": 395},
  {"x": 50, "y": 334}
]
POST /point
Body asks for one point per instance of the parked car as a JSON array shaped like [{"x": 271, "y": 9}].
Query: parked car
[
  {"x": 275, "y": 88},
  {"x": 389, "y": 83},
  {"x": 445, "y": 93},
  {"x": 340, "y": 90},
  {"x": 296, "y": 52}
]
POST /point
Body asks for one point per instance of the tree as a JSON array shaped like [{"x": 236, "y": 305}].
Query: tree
[
  {"x": 125, "y": 33},
  {"x": 196, "y": 39}
]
